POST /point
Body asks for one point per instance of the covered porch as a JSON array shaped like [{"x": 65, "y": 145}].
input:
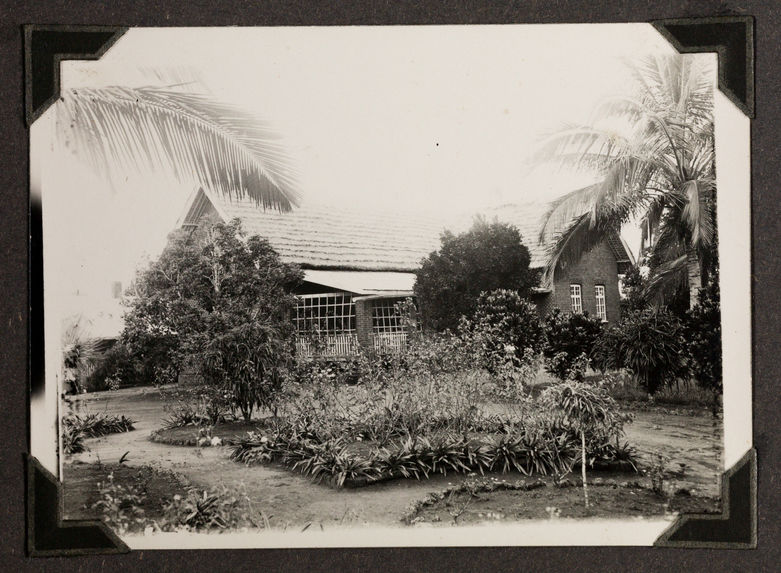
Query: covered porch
[{"x": 341, "y": 312}]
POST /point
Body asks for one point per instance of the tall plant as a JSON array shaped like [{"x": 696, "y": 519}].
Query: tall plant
[
  {"x": 585, "y": 409},
  {"x": 660, "y": 169}
]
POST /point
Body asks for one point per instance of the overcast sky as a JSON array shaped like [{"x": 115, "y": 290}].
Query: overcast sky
[{"x": 440, "y": 117}]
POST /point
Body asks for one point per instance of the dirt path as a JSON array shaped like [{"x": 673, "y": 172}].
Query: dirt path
[{"x": 290, "y": 500}]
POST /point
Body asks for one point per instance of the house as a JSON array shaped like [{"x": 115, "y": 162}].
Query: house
[{"x": 358, "y": 264}]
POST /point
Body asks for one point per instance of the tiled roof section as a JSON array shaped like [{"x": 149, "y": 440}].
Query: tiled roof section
[
  {"x": 351, "y": 238},
  {"x": 339, "y": 236}
]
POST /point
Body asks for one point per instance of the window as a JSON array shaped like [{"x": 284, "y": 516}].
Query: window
[
  {"x": 385, "y": 317},
  {"x": 328, "y": 313},
  {"x": 576, "y": 300},
  {"x": 599, "y": 292}
]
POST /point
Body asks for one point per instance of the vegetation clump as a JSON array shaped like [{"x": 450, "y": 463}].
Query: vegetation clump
[{"x": 489, "y": 256}]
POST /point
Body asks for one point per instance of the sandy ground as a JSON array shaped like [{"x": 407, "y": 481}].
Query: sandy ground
[{"x": 290, "y": 500}]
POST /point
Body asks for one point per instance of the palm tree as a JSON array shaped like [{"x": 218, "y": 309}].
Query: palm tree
[
  {"x": 654, "y": 157},
  {"x": 197, "y": 139}
]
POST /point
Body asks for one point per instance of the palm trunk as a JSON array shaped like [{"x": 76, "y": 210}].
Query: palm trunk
[
  {"x": 695, "y": 277},
  {"x": 583, "y": 465}
]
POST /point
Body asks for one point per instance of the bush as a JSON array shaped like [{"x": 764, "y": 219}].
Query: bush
[
  {"x": 505, "y": 331},
  {"x": 487, "y": 257},
  {"x": 569, "y": 338},
  {"x": 650, "y": 344},
  {"x": 116, "y": 367},
  {"x": 703, "y": 337}
]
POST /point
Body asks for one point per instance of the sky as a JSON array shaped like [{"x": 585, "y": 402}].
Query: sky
[{"x": 429, "y": 118}]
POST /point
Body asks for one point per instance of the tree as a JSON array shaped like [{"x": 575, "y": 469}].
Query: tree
[
  {"x": 584, "y": 408},
  {"x": 489, "y": 256},
  {"x": 199, "y": 140},
  {"x": 222, "y": 302},
  {"x": 660, "y": 171}
]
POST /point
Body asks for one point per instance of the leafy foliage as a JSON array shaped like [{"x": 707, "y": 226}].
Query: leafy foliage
[
  {"x": 97, "y": 424},
  {"x": 650, "y": 344},
  {"x": 489, "y": 256},
  {"x": 219, "y": 303},
  {"x": 198, "y": 140},
  {"x": 506, "y": 331},
  {"x": 634, "y": 285},
  {"x": 568, "y": 339},
  {"x": 703, "y": 337},
  {"x": 200, "y": 510},
  {"x": 72, "y": 440}
]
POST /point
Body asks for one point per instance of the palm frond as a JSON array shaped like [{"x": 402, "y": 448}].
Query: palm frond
[
  {"x": 201, "y": 141},
  {"x": 666, "y": 280}
]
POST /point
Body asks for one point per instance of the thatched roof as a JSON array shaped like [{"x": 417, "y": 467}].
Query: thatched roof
[{"x": 348, "y": 237}]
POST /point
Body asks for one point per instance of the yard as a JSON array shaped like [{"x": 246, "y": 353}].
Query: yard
[{"x": 275, "y": 496}]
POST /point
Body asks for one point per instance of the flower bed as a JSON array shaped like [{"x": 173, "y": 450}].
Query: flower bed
[{"x": 336, "y": 462}]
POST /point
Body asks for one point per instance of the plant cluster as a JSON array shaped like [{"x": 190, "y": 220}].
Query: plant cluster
[
  {"x": 97, "y": 424},
  {"x": 569, "y": 341},
  {"x": 650, "y": 344},
  {"x": 336, "y": 435},
  {"x": 702, "y": 332},
  {"x": 505, "y": 330},
  {"x": 200, "y": 510},
  {"x": 120, "y": 505}
]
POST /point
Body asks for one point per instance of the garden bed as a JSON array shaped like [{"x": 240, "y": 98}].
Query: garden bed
[
  {"x": 497, "y": 500},
  {"x": 229, "y": 433},
  {"x": 81, "y": 492}
]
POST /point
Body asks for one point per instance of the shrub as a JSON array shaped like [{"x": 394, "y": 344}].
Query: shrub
[
  {"x": 505, "y": 331},
  {"x": 487, "y": 257},
  {"x": 703, "y": 337},
  {"x": 116, "y": 367},
  {"x": 568, "y": 340},
  {"x": 650, "y": 344}
]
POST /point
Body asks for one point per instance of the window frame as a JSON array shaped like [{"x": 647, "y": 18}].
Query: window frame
[
  {"x": 334, "y": 310},
  {"x": 573, "y": 297},
  {"x": 603, "y": 299}
]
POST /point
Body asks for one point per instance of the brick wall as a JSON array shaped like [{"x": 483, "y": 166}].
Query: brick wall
[
  {"x": 363, "y": 322},
  {"x": 597, "y": 267}
]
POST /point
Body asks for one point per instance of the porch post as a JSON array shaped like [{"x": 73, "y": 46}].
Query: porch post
[{"x": 363, "y": 323}]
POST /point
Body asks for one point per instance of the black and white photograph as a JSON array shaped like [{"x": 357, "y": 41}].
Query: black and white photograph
[{"x": 455, "y": 285}]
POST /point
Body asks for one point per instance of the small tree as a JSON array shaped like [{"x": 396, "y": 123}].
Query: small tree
[
  {"x": 489, "y": 256},
  {"x": 584, "y": 408},
  {"x": 225, "y": 300},
  {"x": 569, "y": 338}
]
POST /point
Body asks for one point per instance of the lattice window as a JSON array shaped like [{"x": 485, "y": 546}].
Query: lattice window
[
  {"x": 599, "y": 292},
  {"x": 576, "y": 299},
  {"x": 327, "y": 313},
  {"x": 385, "y": 316}
]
